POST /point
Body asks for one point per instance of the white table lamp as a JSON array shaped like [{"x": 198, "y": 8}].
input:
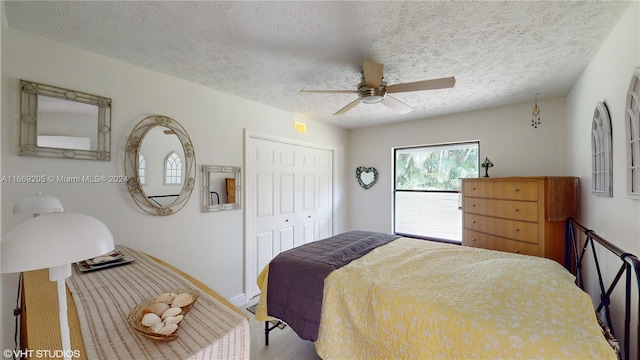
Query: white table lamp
[
  {"x": 55, "y": 241},
  {"x": 38, "y": 204}
]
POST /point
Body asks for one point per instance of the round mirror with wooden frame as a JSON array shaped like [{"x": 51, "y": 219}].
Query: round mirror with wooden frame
[{"x": 160, "y": 172}]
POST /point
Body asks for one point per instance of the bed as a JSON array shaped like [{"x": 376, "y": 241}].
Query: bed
[
  {"x": 399, "y": 297},
  {"x": 98, "y": 305}
]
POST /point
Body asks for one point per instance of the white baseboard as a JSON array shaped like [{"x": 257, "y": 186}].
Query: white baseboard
[{"x": 239, "y": 300}]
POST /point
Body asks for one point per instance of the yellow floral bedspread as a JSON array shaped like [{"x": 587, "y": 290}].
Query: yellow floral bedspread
[{"x": 415, "y": 299}]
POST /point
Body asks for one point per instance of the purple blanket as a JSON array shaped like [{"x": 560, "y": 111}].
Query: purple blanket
[{"x": 296, "y": 277}]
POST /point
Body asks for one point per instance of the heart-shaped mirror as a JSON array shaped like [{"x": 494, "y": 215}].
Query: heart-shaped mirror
[{"x": 367, "y": 176}]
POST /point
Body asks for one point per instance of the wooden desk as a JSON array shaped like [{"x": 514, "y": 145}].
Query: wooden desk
[{"x": 40, "y": 329}]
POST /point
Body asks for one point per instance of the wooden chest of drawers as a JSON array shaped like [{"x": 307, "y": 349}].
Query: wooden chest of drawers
[{"x": 519, "y": 214}]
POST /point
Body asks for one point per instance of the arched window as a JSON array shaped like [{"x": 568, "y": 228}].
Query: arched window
[
  {"x": 632, "y": 127},
  {"x": 173, "y": 169},
  {"x": 142, "y": 166},
  {"x": 601, "y": 157}
]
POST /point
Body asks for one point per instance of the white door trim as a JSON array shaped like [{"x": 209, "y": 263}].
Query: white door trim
[{"x": 266, "y": 136}]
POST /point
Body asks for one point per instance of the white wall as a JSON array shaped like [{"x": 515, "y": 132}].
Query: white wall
[
  {"x": 208, "y": 246},
  {"x": 5, "y": 307},
  {"x": 505, "y": 134},
  {"x": 607, "y": 78}
]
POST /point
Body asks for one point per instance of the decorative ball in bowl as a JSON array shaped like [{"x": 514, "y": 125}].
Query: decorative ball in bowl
[{"x": 158, "y": 318}]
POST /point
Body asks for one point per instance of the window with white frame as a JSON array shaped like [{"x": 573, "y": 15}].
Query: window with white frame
[
  {"x": 632, "y": 128},
  {"x": 173, "y": 169},
  {"x": 601, "y": 157},
  {"x": 142, "y": 168}
]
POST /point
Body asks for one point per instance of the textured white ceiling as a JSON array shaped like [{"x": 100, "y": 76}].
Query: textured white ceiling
[{"x": 500, "y": 52}]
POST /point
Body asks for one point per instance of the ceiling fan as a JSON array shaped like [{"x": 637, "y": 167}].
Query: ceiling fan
[{"x": 373, "y": 89}]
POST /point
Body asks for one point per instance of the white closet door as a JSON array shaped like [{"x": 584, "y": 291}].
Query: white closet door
[
  {"x": 286, "y": 207},
  {"x": 271, "y": 204},
  {"x": 316, "y": 194},
  {"x": 289, "y": 192},
  {"x": 323, "y": 227},
  {"x": 308, "y": 189}
]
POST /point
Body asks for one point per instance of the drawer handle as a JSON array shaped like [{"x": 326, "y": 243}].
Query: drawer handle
[
  {"x": 517, "y": 190},
  {"x": 516, "y": 209},
  {"x": 473, "y": 222},
  {"x": 516, "y": 229},
  {"x": 474, "y": 205},
  {"x": 517, "y": 251},
  {"x": 474, "y": 239},
  {"x": 473, "y": 188}
]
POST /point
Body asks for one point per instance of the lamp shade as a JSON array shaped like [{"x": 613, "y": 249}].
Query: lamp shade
[
  {"x": 54, "y": 240},
  {"x": 38, "y": 204}
]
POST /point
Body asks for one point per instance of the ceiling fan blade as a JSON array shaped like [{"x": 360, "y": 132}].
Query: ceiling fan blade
[
  {"x": 372, "y": 72},
  {"x": 433, "y": 84},
  {"x": 328, "y": 92},
  {"x": 396, "y": 104},
  {"x": 348, "y": 107}
]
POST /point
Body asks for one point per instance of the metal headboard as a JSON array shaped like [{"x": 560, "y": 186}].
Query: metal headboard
[{"x": 580, "y": 241}]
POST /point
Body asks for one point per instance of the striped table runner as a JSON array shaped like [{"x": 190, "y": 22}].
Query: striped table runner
[{"x": 104, "y": 298}]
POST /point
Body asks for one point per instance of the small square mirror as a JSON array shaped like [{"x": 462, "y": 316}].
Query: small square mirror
[{"x": 221, "y": 188}]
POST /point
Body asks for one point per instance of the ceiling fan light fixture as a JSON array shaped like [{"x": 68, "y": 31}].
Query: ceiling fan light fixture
[
  {"x": 372, "y": 99},
  {"x": 371, "y": 96}
]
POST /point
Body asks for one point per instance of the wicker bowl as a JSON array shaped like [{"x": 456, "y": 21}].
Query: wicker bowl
[{"x": 135, "y": 316}]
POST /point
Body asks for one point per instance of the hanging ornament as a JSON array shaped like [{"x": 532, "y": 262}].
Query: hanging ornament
[{"x": 535, "y": 114}]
